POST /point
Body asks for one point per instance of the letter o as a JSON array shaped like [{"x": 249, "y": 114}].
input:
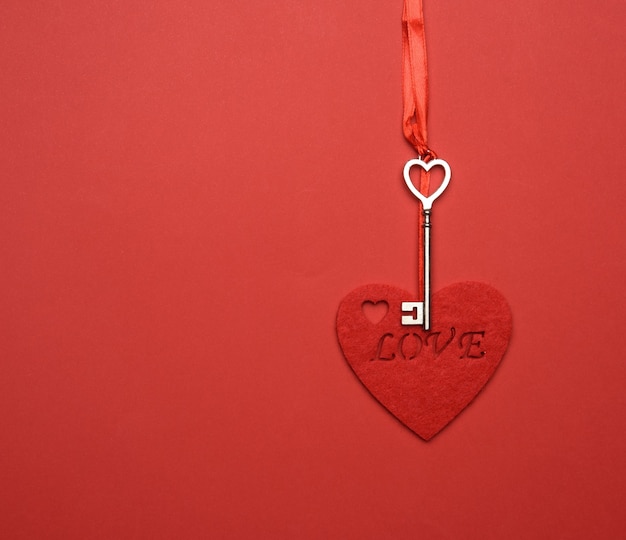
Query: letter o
[{"x": 418, "y": 346}]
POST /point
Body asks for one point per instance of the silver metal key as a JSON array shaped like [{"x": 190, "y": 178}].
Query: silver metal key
[{"x": 418, "y": 313}]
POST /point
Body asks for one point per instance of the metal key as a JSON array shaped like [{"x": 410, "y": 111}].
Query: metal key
[{"x": 416, "y": 313}]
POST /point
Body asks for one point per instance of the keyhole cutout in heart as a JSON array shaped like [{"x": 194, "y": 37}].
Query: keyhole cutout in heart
[{"x": 375, "y": 311}]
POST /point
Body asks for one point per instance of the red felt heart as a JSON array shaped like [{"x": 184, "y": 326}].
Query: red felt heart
[{"x": 426, "y": 378}]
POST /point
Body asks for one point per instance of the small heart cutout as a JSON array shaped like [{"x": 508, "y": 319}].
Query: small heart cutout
[
  {"x": 425, "y": 378},
  {"x": 375, "y": 311}
]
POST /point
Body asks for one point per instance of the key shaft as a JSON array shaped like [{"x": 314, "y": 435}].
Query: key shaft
[{"x": 426, "y": 269}]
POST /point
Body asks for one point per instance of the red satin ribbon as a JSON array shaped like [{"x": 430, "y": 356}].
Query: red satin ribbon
[
  {"x": 415, "y": 78},
  {"x": 415, "y": 100}
]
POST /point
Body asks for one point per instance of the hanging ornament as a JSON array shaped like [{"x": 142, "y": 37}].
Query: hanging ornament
[{"x": 424, "y": 358}]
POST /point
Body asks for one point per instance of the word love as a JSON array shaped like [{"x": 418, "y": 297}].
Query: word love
[{"x": 411, "y": 345}]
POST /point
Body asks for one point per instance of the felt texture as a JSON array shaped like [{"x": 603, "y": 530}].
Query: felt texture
[{"x": 425, "y": 378}]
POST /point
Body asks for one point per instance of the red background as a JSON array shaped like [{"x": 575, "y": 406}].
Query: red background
[{"x": 187, "y": 191}]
